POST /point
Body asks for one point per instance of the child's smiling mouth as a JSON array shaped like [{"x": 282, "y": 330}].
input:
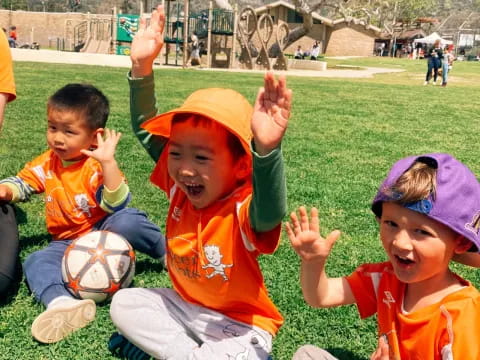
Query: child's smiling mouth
[
  {"x": 404, "y": 261},
  {"x": 194, "y": 190}
]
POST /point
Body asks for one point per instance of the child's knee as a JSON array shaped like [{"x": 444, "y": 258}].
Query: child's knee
[
  {"x": 120, "y": 305},
  {"x": 31, "y": 261}
]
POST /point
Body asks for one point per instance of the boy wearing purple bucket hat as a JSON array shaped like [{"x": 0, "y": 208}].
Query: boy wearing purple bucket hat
[{"x": 428, "y": 209}]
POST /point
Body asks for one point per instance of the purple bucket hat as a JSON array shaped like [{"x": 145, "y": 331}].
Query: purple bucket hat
[{"x": 457, "y": 197}]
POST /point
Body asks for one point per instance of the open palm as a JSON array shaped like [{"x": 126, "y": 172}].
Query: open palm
[
  {"x": 105, "y": 150},
  {"x": 270, "y": 114},
  {"x": 304, "y": 235},
  {"x": 148, "y": 41}
]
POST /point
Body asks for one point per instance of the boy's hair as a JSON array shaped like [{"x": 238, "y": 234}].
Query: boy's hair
[
  {"x": 84, "y": 99},
  {"x": 416, "y": 184},
  {"x": 233, "y": 143},
  {"x": 438, "y": 186}
]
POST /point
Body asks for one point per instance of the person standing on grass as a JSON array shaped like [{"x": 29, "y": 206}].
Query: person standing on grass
[
  {"x": 219, "y": 161},
  {"x": 84, "y": 191},
  {"x": 446, "y": 65},
  {"x": 428, "y": 209},
  {"x": 434, "y": 62},
  {"x": 8, "y": 225}
]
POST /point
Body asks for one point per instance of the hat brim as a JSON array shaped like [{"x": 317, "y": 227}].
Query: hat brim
[{"x": 162, "y": 125}]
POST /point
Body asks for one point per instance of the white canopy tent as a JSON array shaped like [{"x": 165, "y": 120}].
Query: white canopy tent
[{"x": 430, "y": 39}]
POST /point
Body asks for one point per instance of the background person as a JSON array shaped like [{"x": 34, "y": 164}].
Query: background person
[
  {"x": 299, "y": 53},
  {"x": 447, "y": 65},
  {"x": 12, "y": 37},
  {"x": 315, "y": 51},
  {"x": 434, "y": 62}
]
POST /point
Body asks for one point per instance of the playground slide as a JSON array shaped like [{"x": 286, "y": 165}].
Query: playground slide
[
  {"x": 104, "y": 46},
  {"x": 86, "y": 45},
  {"x": 97, "y": 46}
]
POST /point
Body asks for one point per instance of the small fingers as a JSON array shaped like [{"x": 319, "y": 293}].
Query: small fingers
[
  {"x": 315, "y": 222},
  {"x": 295, "y": 223},
  {"x": 270, "y": 87},
  {"x": 304, "y": 222}
]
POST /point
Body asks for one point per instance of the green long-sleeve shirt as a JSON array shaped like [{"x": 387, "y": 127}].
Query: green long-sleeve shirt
[{"x": 268, "y": 206}]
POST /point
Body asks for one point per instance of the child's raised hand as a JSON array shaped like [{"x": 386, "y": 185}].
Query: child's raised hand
[
  {"x": 147, "y": 43},
  {"x": 270, "y": 114},
  {"x": 304, "y": 235},
  {"x": 5, "y": 193},
  {"x": 105, "y": 151}
]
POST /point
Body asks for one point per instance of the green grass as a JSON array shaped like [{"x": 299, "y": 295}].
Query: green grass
[{"x": 343, "y": 136}]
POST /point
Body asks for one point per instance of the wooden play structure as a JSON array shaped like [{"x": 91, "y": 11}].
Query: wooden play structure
[{"x": 214, "y": 28}]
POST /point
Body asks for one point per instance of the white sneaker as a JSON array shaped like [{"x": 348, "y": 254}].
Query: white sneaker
[
  {"x": 425, "y": 83},
  {"x": 434, "y": 83},
  {"x": 63, "y": 318}
]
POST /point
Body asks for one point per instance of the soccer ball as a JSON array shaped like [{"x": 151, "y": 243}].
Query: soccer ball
[{"x": 97, "y": 265}]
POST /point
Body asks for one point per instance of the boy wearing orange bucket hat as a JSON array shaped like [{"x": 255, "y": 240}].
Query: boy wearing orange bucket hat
[{"x": 227, "y": 194}]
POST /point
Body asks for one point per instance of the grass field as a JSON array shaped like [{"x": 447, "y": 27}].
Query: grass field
[{"x": 343, "y": 137}]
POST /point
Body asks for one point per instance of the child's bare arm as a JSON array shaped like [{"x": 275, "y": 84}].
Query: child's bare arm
[
  {"x": 318, "y": 289},
  {"x": 468, "y": 258},
  {"x": 147, "y": 43},
  {"x": 270, "y": 114},
  {"x": 105, "y": 155}
]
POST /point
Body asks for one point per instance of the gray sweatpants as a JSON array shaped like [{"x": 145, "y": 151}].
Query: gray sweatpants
[
  {"x": 165, "y": 326},
  {"x": 310, "y": 352}
]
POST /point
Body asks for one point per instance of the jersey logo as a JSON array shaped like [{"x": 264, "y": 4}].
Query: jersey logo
[
  {"x": 82, "y": 205},
  {"x": 388, "y": 299},
  {"x": 474, "y": 225},
  {"x": 214, "y": 258}
]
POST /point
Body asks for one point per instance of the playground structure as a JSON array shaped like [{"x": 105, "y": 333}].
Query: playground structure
[
  {"x": 227, "y": 39},
  {"x": 95, "y": 35},
  {"x": 214, "y": 28},
  {"x": 219, "y": 29}
]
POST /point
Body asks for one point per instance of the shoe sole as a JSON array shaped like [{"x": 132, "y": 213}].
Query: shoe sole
[{"x": 55, "y": 324}]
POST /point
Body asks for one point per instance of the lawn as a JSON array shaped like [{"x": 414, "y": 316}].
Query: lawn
[{"x": 343, "y": 137}]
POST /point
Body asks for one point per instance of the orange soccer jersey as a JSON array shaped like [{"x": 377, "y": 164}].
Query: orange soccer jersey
[
  {"x": 70, "y": 193},
  {"x": 7, "y": 83},
  {"x": 446, "y": 330},
  {"x": 212, "y": 254}
]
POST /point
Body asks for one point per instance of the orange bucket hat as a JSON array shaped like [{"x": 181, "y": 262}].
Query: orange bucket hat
[{"x": 224, "y": 106}]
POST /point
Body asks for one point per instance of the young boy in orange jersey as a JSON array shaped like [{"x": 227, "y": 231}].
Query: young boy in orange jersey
[
  {"x": 84, "y": 191},
  {"x": 428, "y": 209},
  {"x": 227, "y": 201}
]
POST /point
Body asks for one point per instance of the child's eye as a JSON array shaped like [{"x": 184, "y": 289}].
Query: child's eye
[
  {"x": 423, "y": 232},
  {"x": 201, "y": 158},
  {"x": 174, "y": 154},
  {"x": 390, "y": 223}
]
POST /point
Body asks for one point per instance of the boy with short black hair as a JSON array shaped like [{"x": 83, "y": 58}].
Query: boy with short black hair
[
  {"x": 226, "y": 206},
  {"x": 84, "y": 191},
  {"x": 428, "y": 209}
]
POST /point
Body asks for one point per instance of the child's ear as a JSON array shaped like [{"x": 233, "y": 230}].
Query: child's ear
[
  {"x": 242, "y": 168},
  {"x": 462, "y": 244},
  {"x": 94, "y": 136}
]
